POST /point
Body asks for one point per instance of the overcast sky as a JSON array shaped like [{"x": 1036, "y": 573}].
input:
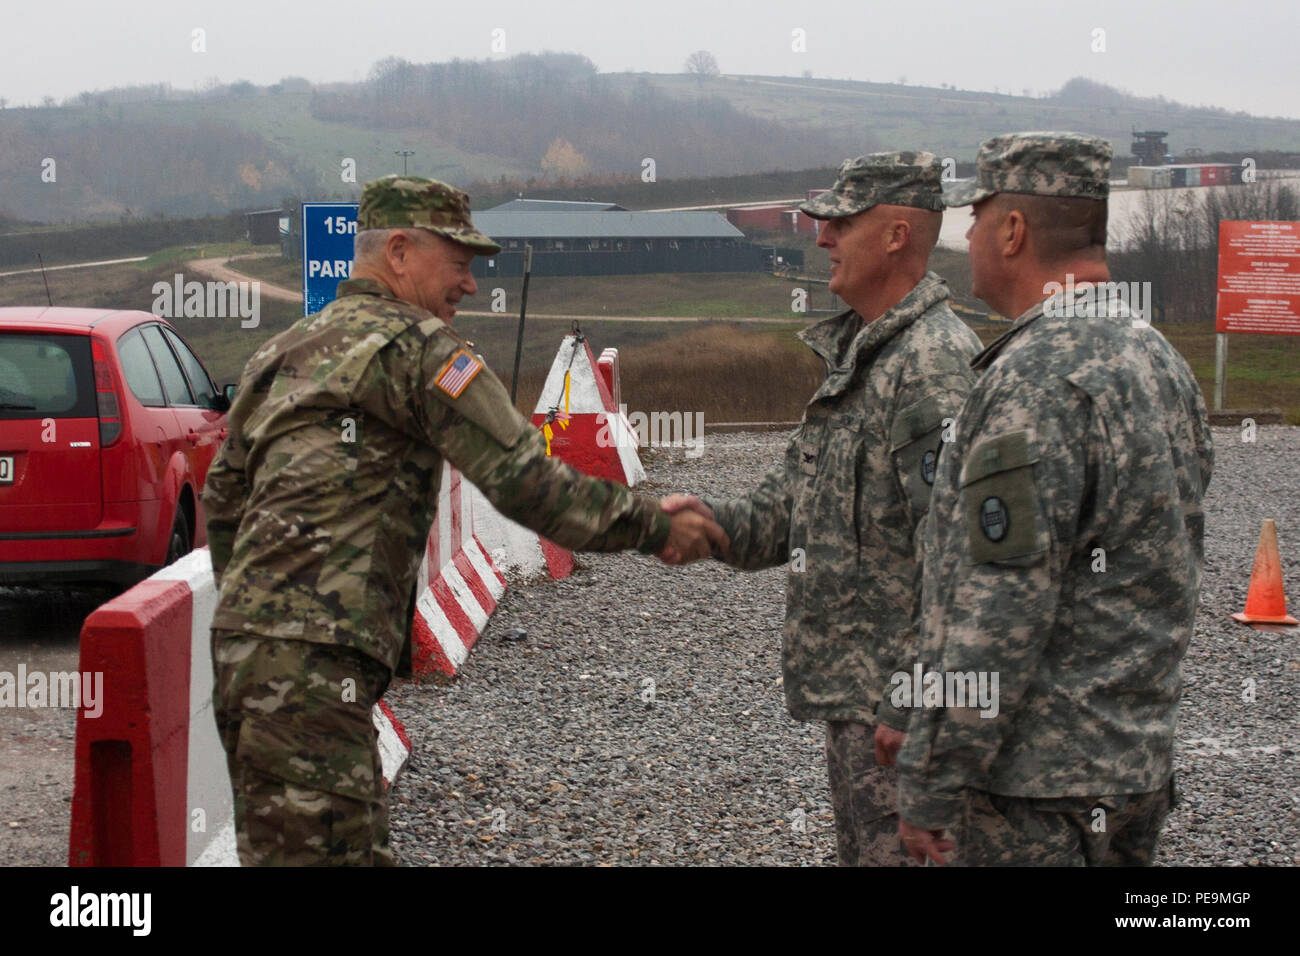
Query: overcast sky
[{"x": 1237, "y": 54}]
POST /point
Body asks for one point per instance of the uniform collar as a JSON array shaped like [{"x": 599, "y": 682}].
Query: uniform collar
[
  {"x": 994, "y": 348},
  {"x": 365, "y": 287},
  {"x": 843, "y": 340}
]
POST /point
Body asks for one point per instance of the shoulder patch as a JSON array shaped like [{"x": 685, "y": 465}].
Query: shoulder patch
[
  {"x": 458, "y": 373},
  {"x": 458, "y": 378},
  {"x": 1000, "y": 501},
  {"x": 916, "y": 441},
  {"x": 915, "y": 421}
]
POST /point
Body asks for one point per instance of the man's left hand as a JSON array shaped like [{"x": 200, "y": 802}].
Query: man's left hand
[
  {"x": 888, "y": 742},
  {"x": 923, "y": 844}
]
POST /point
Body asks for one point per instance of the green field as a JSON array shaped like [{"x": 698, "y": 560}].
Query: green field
[{"x": 728, "y": 371}]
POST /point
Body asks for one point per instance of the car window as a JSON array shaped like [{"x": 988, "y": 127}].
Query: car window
[
  {"x": 169, "y": 370},
  {"x": 137, "y": 365},
  {"x": 45, "y": 376},
  {"x": 201, "y": 385}
]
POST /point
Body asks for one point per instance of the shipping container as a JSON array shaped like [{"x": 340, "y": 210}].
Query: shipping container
[
  {"x": 1178, "y": 176},
  {"x": 1234, "y": 175},
  {"x": 772, "y": 219},
  {"x": 1193, "y": 175},
  {"x": 1210, "y": 174},
  {"x": 1163, "y": 177},
  {"x": 1137, "y": 176}
]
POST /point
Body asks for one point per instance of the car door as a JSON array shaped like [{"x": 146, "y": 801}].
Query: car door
[
  {"x": 155, "y": 437},
  {"x": 179, "y": 397},
  {"x": 207, "y": 416}
]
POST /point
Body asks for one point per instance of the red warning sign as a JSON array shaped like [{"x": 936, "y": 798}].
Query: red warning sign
[{"x": 1259, "y": 278}]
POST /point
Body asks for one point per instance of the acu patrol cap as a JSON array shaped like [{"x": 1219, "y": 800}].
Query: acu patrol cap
[
  {"x": 398, "y": 202},
  {"x": 909, "y": 178},
  {"x": 1067, "y": 165}
]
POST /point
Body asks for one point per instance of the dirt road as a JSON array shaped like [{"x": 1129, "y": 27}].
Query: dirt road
[{"x": 218, "y": 269}]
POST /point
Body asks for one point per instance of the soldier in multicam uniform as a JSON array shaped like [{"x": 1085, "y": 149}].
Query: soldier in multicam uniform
[
  {"x": 1064, "y": 543},
  {"x": 845, "y": 506},
  {"x": 318, "y": 508}
]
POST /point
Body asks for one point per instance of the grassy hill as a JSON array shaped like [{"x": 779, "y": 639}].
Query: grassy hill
[
  {"x": 952, "y": 122},
  {"x": 285, "y": 120},
  {"x": 532, "y": 124}
]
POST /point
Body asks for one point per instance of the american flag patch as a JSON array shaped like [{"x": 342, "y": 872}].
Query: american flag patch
[{"x": 458, "y": 373}]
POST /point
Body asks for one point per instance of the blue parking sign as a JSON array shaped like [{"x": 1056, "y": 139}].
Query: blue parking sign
[{"x": 328, "y": 229}]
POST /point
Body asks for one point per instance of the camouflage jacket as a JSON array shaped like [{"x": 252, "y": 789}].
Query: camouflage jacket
[
  {"x": 844, "y": 506},
  {"x": 320, "y": 501},
  {"x": 1063, "y": 553}
]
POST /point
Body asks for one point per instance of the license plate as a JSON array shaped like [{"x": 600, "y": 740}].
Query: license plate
[{"x": 6, "y": 469}]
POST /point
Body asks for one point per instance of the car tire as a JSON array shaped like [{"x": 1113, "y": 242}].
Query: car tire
[{"x": 178, "y": 543}]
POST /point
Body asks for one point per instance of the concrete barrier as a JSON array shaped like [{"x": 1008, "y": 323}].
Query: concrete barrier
[
  {"x": 459, "y": 583},
  {"x": 151, "y": 787},
  {"x": 588, "y": 431},
  {"x": 473, "y": 549}
]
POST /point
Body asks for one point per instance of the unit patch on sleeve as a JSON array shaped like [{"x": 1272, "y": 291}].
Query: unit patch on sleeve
[{"x": 1005, "y": 518}]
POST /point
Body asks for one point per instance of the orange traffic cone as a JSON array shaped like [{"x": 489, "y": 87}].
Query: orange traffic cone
[{"x": 1265, "y": 602}]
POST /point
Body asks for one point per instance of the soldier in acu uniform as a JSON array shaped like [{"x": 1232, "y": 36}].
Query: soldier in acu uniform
[
  {"x": 1064, "y": 543},
  {"x": 844, "y": 507},
  {"x": 318, "y": 508}
]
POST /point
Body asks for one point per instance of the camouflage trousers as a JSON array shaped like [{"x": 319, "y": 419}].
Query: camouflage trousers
[
  {"x": 864, "y": 796},
  {"x": 295, "y": 720},
  {"x": 1117, "y": 830}
]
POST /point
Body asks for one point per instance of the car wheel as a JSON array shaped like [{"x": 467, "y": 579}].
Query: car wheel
[{"x": 178, "y": 545}]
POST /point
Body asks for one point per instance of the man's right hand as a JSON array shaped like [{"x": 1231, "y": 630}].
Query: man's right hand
[
  {"x": 694, "y": 534},
  {"x": 671, "y": 504}
]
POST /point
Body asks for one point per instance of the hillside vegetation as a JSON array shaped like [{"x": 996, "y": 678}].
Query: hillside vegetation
[{"x": 529, "y": 123}]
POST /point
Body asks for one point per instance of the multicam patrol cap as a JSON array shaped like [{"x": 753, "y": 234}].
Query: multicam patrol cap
[
  {"x": 909, "y": 178},
  {"x": 1068, "y": 165},
  {"x": 395, "y": 202}
]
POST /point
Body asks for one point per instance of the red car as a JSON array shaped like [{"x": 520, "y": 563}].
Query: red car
[{"x": 108, "y": 423}]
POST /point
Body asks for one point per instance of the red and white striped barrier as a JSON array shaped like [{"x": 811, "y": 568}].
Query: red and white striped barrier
[
  {"x": 459, "y": 584},
  {"x": 473, "y": 549},
  {"x": 607, "y": 366},
  {"x": 587, "y": 429},
  {"x": 151, "y": 785}
]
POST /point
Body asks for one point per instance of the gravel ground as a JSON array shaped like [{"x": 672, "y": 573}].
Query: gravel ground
[
  {"x": 640, "y": 718},
  {"x": 38, "y": 629}
]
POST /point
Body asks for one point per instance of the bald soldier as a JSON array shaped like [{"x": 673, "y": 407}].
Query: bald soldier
[
  {"x": 844, "y": 506},
  {"x": 319, "y": 505},
  {"x": 1064, "y": 543}
]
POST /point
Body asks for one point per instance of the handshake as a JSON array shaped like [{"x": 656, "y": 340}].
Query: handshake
[{"x": 694, "y": 533}]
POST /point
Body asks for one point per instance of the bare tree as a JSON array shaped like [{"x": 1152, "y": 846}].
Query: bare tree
[
  {"x": 1172, "y": 241},
  {"x": 703, "y": 64}
]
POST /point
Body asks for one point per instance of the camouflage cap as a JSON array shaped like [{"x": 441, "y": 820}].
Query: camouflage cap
[
  {"x": 1069, "y": 165},
  {"x": 908, "y": 178},
  {"x": 395, "y": 202}
]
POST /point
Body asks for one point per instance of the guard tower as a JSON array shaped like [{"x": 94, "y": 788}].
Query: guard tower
[{"x": 1149, "y": 147}]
